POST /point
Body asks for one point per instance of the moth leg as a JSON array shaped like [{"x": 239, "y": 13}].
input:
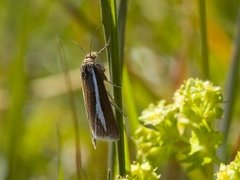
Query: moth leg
[
  {"x": 115, "y": 105},
  {"x": 94, "y": 142},
  {"x": 104, "y": 77},
  {"x": 113, "y": 84}
]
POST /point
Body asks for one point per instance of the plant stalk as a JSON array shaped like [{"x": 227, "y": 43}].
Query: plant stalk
[
  {"x": 230, "y": 91},
  {"x": 110, "y": 22},
  {"x": 204, "y": 44}
]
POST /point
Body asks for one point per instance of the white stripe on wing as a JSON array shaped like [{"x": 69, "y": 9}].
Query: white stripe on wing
[{"x": 99, "y": 111}]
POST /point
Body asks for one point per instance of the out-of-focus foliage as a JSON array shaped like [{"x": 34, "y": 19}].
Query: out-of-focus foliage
[
  {"x": 141, "y": 171},
  {"x": 162, "y": 49},
  {"x": 230, "y": 171},
  {"x": 187, "y": 124}
]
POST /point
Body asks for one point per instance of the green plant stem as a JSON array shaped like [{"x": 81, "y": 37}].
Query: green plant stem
[
  {"x": 122, "y": 17},
  {"x": 80, "y": 172},
  {"x": 111, "y": 160},
  {"x": 231, "y": 89},
  {"x": 59, "y": 154},
  {"x": 18, "y": 83},
  {"x": 109, "y": 17},
  {"x": 204, "y": 46}
]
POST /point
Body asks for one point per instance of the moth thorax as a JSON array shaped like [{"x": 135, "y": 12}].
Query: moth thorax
[{"x": 90, "y": 57}]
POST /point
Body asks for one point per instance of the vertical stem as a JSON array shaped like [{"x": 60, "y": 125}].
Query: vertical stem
[
  {"x": 204, "y": 46},
  {"x": 59, "y": 154},
  {"x": 110, "y": 22},
  {"x": 18, "y": 15},
  {"x": 74, "y": 112},
  {"x": 122, "y": 16},
  {"x": 231, "y": 87},
  {"x": 111, "y": 160}
]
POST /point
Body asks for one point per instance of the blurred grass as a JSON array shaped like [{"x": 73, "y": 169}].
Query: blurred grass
[
  {"x": 17, "y": 82},
  {"x": 232, "y": 85},
  {"x": 162, "y": 48},
  {"x": 204, "y": 39},
  {"x": 72, "y": 104}
]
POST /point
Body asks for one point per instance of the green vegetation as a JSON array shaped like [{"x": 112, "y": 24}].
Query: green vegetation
[
  {"x": 231, "y": 171},
  {"x": 181, "y": 131},
  {"x": 177, "y": 65}
]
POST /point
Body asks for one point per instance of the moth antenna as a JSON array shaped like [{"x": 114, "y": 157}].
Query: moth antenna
[
  {"x": 75, "y": 42},
  {"x": 106, "y": 45},
  {"x": 93, "y": 37}
]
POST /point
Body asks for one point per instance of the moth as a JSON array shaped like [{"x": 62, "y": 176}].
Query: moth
[{"x": 99, "y": 111}]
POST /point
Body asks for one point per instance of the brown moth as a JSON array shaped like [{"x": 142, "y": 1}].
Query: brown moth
[{"x": 98, "y": 107}]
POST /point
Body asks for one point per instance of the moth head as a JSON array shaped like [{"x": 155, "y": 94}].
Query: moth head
[{"x": 92, "y": 55}]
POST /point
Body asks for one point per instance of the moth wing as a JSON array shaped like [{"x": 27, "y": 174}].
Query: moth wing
[
  {"x": 111, "y": 132},
  {"x": 89, "y": 95}
]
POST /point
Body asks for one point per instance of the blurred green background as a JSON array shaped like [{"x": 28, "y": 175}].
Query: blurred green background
[{"x": 162, "y": 49}]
